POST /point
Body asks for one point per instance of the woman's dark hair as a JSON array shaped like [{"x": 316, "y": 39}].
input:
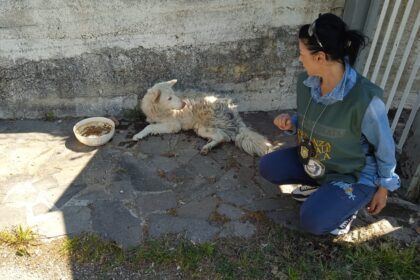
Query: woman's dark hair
[{"x": 329, "y": 33}]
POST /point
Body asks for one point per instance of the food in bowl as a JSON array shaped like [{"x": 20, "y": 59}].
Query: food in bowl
[{"x": 94, "y": 131}]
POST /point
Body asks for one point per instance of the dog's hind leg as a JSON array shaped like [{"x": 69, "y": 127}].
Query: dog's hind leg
[{"x": 215, "y": 135}]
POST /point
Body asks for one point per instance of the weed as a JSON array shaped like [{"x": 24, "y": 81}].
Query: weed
[
  {"x": 121, "y": 171},
  {"x": 90, "y": 248},
  {"x": 385, "y": 260},
  {"x": 185, "y": 254},
  {"x": 274, "y": 253},
  {"x": 255, "y": 217},
  {"x": 218, "y": 218},
  {"x": 49, "y": 116},
  {"x": 171, "y": 212},
  {"x": 20, "y": 239}
]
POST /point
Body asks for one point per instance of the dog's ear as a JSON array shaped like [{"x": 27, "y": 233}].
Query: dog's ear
[
  {"x": 156, "y": 95},
  {"x": 172, "y": 82}
]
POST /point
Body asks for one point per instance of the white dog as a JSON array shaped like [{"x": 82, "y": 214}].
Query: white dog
[{"x": 211, "y": 118}]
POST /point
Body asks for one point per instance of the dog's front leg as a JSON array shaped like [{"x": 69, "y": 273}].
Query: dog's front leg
[{"x": 158, "y": 128}]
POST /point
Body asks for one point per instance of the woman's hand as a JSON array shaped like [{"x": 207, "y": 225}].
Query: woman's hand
[
  {"x": 283, "y": 122},
  {"x": 378, "y": 201}
]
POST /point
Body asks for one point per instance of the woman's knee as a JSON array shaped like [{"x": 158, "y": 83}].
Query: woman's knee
[
  {"x": 311, "y": 221},
  {"x": 271, "y": 165}
]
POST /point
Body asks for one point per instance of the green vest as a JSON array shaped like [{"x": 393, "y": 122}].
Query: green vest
[{"x": 337, "y": 133}]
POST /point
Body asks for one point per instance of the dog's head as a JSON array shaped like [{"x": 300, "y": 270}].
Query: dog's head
[{"x": 162, "y": 96}]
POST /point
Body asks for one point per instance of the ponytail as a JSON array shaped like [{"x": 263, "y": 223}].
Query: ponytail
[{"x": 354, "y": 42}]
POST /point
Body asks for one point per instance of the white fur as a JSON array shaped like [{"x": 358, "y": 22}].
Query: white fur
[{"x": 211, "y": 118}]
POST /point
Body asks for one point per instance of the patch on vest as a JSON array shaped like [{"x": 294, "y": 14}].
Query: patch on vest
[
  {"x": 318, "y": 149},
  {"x": 314, "y": 168}
]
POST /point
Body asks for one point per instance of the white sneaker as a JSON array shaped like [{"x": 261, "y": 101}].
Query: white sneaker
[
  {"x": 345, "y": 226},
  {"x": 303, "y": 192}
]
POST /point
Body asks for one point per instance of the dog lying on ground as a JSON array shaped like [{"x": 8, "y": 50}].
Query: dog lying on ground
[{"x": 215, "y": 120}]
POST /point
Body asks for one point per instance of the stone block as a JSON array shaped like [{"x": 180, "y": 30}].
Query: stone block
[
  {"x": 198, "y": 209},
  {"x": 238, "y": 229},
  {"x": 239, "y": 197},
  {"x": 196, "y": 230},
  {"x": 12, "y": 216},
  {"x": 111, "y": 220},
  {"x": 160, "y": 201},
  {"x": 230, "y": 211}
]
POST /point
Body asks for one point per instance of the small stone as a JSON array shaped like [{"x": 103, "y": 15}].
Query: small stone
[
  {"x": 128, "y": 154},
  {"x": 275, "y": 269},
  {"x": 142, "y": 156}
]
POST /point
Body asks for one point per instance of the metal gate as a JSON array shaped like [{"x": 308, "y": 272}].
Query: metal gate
[{"x": 388, "y": 25}]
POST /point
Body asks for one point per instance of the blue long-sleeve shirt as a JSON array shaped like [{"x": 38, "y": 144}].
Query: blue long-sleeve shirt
[{"x": 380, "y": 164}]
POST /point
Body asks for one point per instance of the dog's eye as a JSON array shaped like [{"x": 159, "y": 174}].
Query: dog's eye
[{"x": 170, "y": 98}]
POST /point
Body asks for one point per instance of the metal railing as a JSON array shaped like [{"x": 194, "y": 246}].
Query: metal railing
[{"x": 379, "y": 49}]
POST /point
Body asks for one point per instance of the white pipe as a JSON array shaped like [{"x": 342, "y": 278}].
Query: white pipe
[
  {"x": 397, "y": 42},
  {"x": 409, "y": 123},
  {"x": 411, "y": 192},
  {"x": 385, "y": 41},
  {"x": 375, "y": 37},
  {"x": 406, "y": 93},
  {"x": 403, "y": 61}
]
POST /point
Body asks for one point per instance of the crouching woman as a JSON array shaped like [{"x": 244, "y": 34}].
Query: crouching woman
[{"x": 345, "y": 157}]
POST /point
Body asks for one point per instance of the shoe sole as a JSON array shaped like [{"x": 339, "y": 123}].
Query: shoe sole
[{"x": 300, "y": 199}]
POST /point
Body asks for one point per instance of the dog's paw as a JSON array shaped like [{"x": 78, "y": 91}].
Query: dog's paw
[
  {"x": 137, "y": 137},
  {"x": 204, "y": 151}
]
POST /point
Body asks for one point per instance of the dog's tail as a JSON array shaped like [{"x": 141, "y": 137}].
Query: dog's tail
[{"x": 252, "y": 142}]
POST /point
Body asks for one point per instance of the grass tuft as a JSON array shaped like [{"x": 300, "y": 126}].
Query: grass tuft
[
  {"x": 49, "y": 116},
  {"x": 20, "y": 239},
  {"x": 274, "y": 253},
  {"x": 90, "y": 248},
  {"x": 184, "y": 254},
  {"x": 255, "y": 217},
  {"x": 385, "y": 261},
  {"x": 217, "y": 218}
]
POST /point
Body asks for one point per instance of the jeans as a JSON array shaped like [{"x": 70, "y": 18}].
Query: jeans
[{"x": 325, "y": 209}]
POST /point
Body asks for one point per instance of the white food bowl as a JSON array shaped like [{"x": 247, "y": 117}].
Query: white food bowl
[{"x": 95, "y": 134}]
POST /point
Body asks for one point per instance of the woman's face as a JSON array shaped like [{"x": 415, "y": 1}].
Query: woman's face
[{"x": 309, "y": 61}]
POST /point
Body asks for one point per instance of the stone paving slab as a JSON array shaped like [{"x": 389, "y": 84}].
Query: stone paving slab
[
  {"x": 231, "y": 212},
  {"x": 130, "y": 191},
  {"x": 197, "y": 230},
  {"x": 238, "y": 229}
]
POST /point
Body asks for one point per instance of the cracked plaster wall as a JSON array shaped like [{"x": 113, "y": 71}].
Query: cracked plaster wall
[{"x": 85, "y": 58}]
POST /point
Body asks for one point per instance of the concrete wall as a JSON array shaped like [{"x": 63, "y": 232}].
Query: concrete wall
[{"x": 96, "y": 57}]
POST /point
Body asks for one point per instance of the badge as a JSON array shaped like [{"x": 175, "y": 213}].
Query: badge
[
  {"x": 314, "y": 168},
  {"x": 306, "y": 151}
]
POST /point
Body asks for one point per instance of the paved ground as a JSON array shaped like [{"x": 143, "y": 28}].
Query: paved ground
[{"x": 129, "y": 191}]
